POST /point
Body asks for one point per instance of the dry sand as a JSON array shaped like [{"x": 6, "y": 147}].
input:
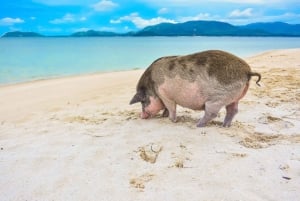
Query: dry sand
[{"x": 78, "y": 138}]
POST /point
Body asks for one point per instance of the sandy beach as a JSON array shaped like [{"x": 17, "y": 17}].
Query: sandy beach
[{"x": 77, "y": 138}]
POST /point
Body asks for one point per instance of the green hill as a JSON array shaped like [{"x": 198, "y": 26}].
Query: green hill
[
  {"x": 191, "y": 28},
  {"x": 278, "y": 28},
  {"x": 22, "y": 34},
  {"x": 92, "y": 33},
  {"x": 207, "y": 28}
]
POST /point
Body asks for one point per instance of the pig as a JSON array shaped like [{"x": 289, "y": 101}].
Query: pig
[{"x": 206, "y": 81}]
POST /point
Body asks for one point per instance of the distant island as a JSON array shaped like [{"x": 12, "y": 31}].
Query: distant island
[
  {"x": 92, "y": 33},
  {"x": 215, "y": 28},
  {"x": 191, "y": 28},
  {"x": 22, "y": 34}
]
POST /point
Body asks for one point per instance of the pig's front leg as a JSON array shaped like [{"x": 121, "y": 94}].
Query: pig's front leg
[{"x": 171, "y": 109}]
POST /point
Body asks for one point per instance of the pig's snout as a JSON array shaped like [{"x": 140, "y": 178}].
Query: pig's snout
[{"x": 145, "y": 115}]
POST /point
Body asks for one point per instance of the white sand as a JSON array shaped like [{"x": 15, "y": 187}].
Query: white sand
[{"x": 78, "y": 139}]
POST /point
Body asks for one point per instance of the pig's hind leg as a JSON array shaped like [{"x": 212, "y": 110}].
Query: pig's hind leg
[
  {"x": 211, "y": 111},
  {"x": 231, "y": 111},
  {"x": 232, "y": 108}
]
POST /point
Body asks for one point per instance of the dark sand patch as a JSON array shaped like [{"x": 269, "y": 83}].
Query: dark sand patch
[
  {"x": 149, "y": 153},
  {"x": 140, "y": 181}
]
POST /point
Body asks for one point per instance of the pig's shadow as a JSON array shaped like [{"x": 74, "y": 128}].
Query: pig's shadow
[
  {"x": 187, "y": 119},
  {"x": 192, "y": 121}
]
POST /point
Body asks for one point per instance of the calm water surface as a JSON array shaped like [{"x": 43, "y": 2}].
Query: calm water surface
[{"x": 26, "y": 59}]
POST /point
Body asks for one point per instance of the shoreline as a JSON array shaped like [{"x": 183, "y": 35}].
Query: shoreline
[
  {"x": 77, "y": 138},
  {"x": 104, "y": 72},
  {"x": 59, "y": 77}
]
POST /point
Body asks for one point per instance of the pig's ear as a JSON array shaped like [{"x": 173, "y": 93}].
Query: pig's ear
[{"x": 138, "y": 97}]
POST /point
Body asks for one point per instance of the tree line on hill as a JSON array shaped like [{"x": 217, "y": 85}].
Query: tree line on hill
[{"x": 190, "y": 28}]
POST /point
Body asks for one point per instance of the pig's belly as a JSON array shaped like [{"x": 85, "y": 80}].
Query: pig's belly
[
  {"x": 190, "y": 99},
  {"x": 184, "y": 93}
]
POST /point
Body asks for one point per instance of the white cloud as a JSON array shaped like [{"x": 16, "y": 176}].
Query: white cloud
[
  {"x": 163, "y": 11},
  {"x": 247, "y": 13},
  {"x": 288, "y": 17},
  {"x": 7, "y": 21},
  {"x": 188, "y": 3},
  {"x": 285, "y": 17},
  {"x": 140, "y": 22},
  {"x": 118, "y": 21},
  {"x": 267, "y": 2},
  {"x": 83, "y": 19},
  {"x": 197, "y": 2},
  {"x": 200, "y": 16},
  {"x": 67, "y": 18},
  {"x": 83, "y": 29},
  {"x": 112, "y": 29},
  {"x": 64, "y": 2},
  {"x": 246, "y": 1},
  {"x": 291, "y": 18},
  {"x": 104, "y": 5}
]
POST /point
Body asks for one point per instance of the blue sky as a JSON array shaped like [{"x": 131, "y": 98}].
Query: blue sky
[{"x": 61, "y": 17}]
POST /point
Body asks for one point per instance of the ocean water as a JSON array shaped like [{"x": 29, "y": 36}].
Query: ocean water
[{"x": 27, "y": 59}]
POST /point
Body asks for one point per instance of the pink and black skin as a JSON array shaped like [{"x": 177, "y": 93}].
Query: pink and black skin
[{"x": 206, "y": 81}]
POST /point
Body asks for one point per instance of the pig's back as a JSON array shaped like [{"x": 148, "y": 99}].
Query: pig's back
[{"x": 224, "y": 67}]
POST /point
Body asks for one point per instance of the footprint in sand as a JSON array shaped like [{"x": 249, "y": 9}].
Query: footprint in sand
[
  {"x": 275, "y": 123},
  {"x": 181, "y": 157},
  {"x": 150, "y": 152},
  {"x": 259, "y": 140},
  {"x": 139, "y": 182}
]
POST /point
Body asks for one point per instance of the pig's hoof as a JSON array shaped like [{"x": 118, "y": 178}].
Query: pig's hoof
[
  {"x": 200, "y": 124},
  {"x": 226, "y": 124},
  {"x": 174, "y": 120}
]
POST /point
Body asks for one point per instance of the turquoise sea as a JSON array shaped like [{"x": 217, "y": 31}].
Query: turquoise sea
[{"x": 27, "y": 59}]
